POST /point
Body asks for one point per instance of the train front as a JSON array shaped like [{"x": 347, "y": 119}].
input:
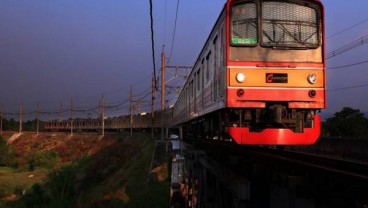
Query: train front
[{"x": 275, "y": 71}]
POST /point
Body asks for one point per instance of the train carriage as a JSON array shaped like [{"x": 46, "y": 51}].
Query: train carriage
[{"x": 260, "y": 77}]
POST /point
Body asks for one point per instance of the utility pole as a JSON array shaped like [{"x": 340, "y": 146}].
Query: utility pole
[
  {"x": 20, "y": 118},
  {"x": 162, "y": 93},
  {"x": 38, "y": 118},
  {"x": 61, "y": 111},
  {"x": 1, "y": 119},
  {"x": 71, "y": 116},
  {"x": 162, "y": 81},
  {"x": 131, "y": 110},
  {"x": 102, "y": 108},
  {"x": 152, "y": 104}
]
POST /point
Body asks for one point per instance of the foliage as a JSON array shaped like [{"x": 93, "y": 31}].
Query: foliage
[
  {"x": 347, "y": 123},
  {"x": 116, "y": 176},
  {"x": 37, "y": 199},
  {"x": 6, "y": 154},
  {"x": 61, "y": 186},
  {"x": 13, "y": 125},
  {"x": 42, "y": 159},
  {"x": 10, "y": 125},
  {"x": 58, "y": 191}
]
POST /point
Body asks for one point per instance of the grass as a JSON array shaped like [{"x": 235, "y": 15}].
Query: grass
[
  {"x": 127, "y": 185},
  {"x": 111, "y": 173},
  {"x": 12, "y": 181}
]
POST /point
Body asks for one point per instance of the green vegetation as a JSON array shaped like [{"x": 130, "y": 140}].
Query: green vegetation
[
  {"x": 13, "y": 125},
  {"x": 348, "y": 123},
  {"x": 112, "y": 172},
  {"x": 7, "y": 157}
]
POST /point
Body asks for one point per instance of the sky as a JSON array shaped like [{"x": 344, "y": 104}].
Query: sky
[{"x": 52, "y": 51}]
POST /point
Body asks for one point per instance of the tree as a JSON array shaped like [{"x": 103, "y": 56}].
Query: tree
[
  {"x": 347, "y": 123},
  {"x": 6, "y": 154}
]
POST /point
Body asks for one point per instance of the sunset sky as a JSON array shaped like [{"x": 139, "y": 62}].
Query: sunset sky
[{"x": 51, "y": 51}]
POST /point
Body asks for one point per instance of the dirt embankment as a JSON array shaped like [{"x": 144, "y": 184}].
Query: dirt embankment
[
  {"x": 66, "y": 146},
  {"x": 98, "y": 172}
]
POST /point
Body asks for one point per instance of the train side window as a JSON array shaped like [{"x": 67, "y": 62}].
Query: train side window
[
  {"x": 244, "y": 24},
  {"x": 202, "y": 63},
  {"x": 192, "y": 89},
  {"x": 195, "y": 82},
  {"x": 215, "y": 51},
  {"x": 199, "y": 80},
  {"x": 208, "y": 66},
  {"x": 215, "y": 69}
]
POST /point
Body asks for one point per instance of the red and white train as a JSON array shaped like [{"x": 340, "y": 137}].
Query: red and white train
[{"x": 260, "y": 77}]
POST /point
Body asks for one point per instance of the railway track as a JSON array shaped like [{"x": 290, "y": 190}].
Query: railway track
[{"x": 343, "y": 167}]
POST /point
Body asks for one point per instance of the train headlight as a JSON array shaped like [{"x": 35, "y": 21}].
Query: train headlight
[
  {"x": 240, "y": 77},
  {"x": 312, "y": 78}
]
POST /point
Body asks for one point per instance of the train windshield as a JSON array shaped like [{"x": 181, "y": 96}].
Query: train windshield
[
  {"x": 266, "y": 30},
  {"x": 289, "y": 25},
  {"x": 244, "y": 24}
]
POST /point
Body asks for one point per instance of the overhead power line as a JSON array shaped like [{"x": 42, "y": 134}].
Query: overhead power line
[
  {"x": 153, "y": 42},
  {"x": 164, "y": 42},
  {"x": 347, "y": 29},
  {"x": 359, "y": 42},
  {"x": 173, "y": 38},
  {"x": 348, "y": 65},
  {"x": 350, "y": 87}
]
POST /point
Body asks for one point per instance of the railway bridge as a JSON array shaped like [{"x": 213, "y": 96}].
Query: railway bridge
[{"x": 216, "y": 174}]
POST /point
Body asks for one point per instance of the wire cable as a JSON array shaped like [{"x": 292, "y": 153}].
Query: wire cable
[
  {"x": 349, "y": 65},
  {"x": 173, "y": 38},
  {"x": 164, "y": 42},
  {"x": 153, "y": 42},
  {"x": 346, "y": 29},
  {"x": 359, "y": 42},
  {"x": 350, "y": 87}
]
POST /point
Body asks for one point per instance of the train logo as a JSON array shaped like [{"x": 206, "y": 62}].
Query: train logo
[{"x": 276, "y": 78}]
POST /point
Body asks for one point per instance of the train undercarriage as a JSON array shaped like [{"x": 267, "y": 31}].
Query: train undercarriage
[{"x": 276, "y": 124}]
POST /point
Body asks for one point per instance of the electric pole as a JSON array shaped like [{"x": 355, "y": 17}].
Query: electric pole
[
  {"x": 38, "y": 118},
  {"x": 71, "y": 116},
  {"x": 102, "y": 108},
  {"x": 152, "y": 104},
  {"x": 131, "y": 110},
  {"x": 20, "y": 118},
  {"x": 1, "y": 119},
  {"x": 61, "y": 111},
  {"x": 162, "y": 93}
]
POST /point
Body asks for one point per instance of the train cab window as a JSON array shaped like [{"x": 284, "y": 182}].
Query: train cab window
[
  {"x": 288, "y": 24},
  {"x": 244, "y": 24}
]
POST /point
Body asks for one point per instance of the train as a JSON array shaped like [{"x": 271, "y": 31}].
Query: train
[
  {"x": 136, "y": 122},
  {"x": 260, "y": 76}
]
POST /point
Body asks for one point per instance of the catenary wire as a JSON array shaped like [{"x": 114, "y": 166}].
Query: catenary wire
[
  {"x": 359, "y": 42},
  {"x": 349, "y": 65},
  {"x": 153, "y": 42},
  {"x": 350, "y": 87},
  {"x": 173, "y": 38},
  {"x": 347, "y": 29}
]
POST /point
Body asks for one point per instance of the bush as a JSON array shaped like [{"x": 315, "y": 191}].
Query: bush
[
  {"x": 42, "y": 159},
  {"x": 7, "y": 157}
]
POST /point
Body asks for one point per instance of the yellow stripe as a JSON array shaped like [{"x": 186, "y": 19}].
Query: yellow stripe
[{"x": 257, "y": 77}]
